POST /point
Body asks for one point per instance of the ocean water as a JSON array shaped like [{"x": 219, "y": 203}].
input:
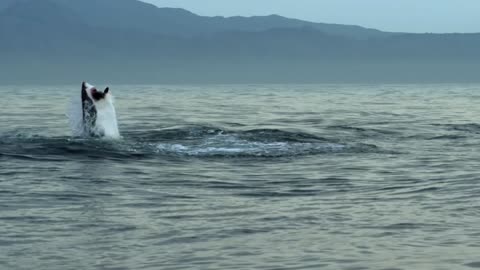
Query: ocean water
[{"x": 244, "y": 177}]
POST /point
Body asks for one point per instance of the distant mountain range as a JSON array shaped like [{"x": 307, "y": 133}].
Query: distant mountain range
[{"x": 128, "y": 41}]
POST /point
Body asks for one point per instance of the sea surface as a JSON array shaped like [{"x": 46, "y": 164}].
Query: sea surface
[{"x": 244, "y": 177}]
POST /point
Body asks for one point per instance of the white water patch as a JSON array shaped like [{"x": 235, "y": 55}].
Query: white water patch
[
  {"x": 106, "y": 124},
  {"x": 226, "y": 145},
  {"x": 75, "y": 117}
]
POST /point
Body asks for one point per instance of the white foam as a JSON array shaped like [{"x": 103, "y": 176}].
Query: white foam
[{"x": 231, "y": 146}]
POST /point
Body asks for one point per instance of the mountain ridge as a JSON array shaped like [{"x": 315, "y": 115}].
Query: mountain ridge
[
  {"x": 176, "y": 21},
  {"x": 61, "y": 40}
]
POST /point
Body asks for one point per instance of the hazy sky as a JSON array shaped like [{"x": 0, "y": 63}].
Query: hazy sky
[{"x": 390, "y": 15}]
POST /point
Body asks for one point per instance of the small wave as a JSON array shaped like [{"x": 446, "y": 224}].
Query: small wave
[
  {"x": 364, "y": 131},
  {"x": 469, "y": 128},
  {"x": 34, "y": 147},
  {"x": 201, "y": 141},
  {"x": 186, "y": 141},
  {"x": 254, "y": 149},
  {"x": 176, "y": 133},
  {"x": 448, "y": 137},
  {"x": 207, "y": 141},
  {"x": 190, "y": 132}
]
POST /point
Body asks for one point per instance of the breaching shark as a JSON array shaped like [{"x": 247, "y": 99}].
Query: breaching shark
[{"x": 98, "y": 113}]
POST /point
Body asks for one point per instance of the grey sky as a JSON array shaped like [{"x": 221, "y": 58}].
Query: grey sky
[{"x": 390, "y": 15}]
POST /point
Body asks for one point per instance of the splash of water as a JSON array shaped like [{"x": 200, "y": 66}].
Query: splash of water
[{"x": 75, "y": 117}]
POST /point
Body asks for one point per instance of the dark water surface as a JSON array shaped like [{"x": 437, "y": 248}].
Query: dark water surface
[{"x": 244, "y": 177}]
